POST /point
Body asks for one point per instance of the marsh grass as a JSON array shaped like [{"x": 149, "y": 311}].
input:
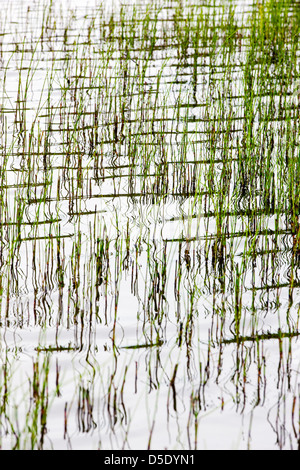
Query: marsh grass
[{"x": 149, "y": 218}]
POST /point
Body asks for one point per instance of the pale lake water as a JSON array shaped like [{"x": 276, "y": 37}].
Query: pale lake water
[{"x": 149, "y": 290}]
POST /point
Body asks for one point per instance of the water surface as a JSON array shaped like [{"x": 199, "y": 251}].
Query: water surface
[{"x": 149, "y": 217}]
